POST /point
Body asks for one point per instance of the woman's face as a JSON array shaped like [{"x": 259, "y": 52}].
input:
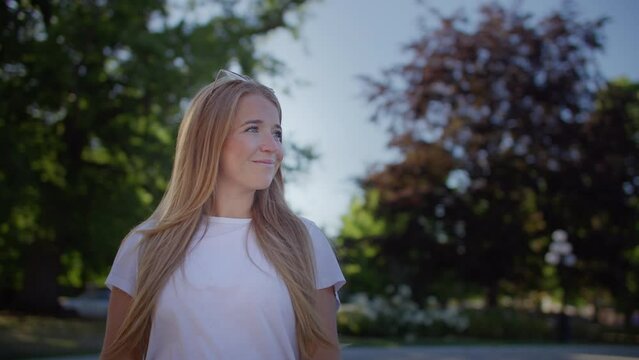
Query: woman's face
[{"x": 252, "y": 152}]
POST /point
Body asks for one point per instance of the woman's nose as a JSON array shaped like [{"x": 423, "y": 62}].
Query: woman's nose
[{"x": 269, "y": 144}]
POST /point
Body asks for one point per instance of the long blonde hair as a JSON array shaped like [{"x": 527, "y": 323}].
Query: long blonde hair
[{"x": 281, "y": 235}]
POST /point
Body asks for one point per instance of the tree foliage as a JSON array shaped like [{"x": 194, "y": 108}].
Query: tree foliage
[
  {"x": 507, "y": 132},
  {"x": 93, "y": 91}
]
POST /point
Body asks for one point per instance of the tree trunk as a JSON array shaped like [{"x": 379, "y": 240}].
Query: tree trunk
[
  {"x": 491, "y": 296},
  {"x": 627, "y": 317},
  {"x": 40, "y": 289},
  {"x": 595, "y": 315}
]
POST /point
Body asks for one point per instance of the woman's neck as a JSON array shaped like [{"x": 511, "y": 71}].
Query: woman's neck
[{"x": 232, "y": 204}]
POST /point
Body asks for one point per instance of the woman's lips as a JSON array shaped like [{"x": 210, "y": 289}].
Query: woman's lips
[{"x": 265, "y": 162}]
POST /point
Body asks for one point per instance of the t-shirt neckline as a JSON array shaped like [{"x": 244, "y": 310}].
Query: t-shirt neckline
[{"x": 227, "y": 220}]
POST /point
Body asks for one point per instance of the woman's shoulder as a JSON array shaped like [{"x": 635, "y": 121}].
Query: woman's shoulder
[
  {"x": 327, "y": 270},
  {"x": 145, "y": 225},
  {"x": 310, "y": 224},
  {"x": 317, "y": 235},
  {"x": 137, "y": 233},
  {"x": 305, "y": 220}
]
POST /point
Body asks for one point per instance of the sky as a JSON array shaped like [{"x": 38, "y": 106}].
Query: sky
[{"x": 341, "y": 40}]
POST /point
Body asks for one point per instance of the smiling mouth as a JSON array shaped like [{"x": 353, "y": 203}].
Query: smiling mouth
[{"x": 265, "y": 162}]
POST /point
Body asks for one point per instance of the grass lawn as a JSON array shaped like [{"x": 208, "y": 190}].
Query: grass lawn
[
  {"x": 37, "y": 336},
  {"x": 353, "y": 341},
  {"x": 27, "y": 336}
]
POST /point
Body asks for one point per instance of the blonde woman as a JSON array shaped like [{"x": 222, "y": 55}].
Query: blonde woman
[{"x": 223, "y": 269}]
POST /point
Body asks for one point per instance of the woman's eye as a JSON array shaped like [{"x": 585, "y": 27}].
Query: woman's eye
[
  {"x": 278, "y": 135},
  {"x": 252, "y": 129}
]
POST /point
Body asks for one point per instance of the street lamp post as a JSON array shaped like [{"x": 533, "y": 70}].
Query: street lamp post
[{"x": 560, "y": 254}]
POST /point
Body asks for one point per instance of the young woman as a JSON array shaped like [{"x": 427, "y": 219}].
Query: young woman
[{"x": 223, "y": 269}]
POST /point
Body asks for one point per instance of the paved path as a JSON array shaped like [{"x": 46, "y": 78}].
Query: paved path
[{"x": 511, "y": 352}]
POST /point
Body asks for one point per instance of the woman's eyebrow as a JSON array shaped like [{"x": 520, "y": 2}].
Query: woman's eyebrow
[{"x": 259, "y": 122}]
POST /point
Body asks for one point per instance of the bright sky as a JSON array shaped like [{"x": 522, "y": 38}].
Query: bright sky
[{"x": 344, "y": 39}]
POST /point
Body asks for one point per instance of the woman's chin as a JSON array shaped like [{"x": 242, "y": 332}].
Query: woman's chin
[{"x": 264, "y": 185}]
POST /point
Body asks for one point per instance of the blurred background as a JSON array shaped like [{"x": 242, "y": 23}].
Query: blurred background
[{"x": 476, "y": 164}]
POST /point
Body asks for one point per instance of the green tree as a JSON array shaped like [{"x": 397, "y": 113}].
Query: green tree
[
  {"x": 492, "y": 120},
  {"x": 358, "y": 245},
  {"x": 92, "y": 92},
  {"x": 606, "y": 205}
]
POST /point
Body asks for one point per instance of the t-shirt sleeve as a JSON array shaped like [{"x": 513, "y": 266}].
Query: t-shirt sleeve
[
  {"x": 327, "y": 269},
  {"x": 124, "y": 270}
]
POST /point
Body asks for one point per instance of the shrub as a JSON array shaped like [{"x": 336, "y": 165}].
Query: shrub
[
  {"x": 396, "y": 315},
  {"x": 508, "y": 324}
]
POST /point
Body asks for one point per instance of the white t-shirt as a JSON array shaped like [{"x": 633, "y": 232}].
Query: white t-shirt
[{"x": 220, "y": 305}]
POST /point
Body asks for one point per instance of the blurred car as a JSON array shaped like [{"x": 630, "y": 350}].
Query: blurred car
[{"x": 92, "y": 303}]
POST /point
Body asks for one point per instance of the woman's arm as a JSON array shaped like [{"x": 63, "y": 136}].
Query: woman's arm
[
  {"x": 119, "y": 304},
  {"x": 327, "y": 310}
]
